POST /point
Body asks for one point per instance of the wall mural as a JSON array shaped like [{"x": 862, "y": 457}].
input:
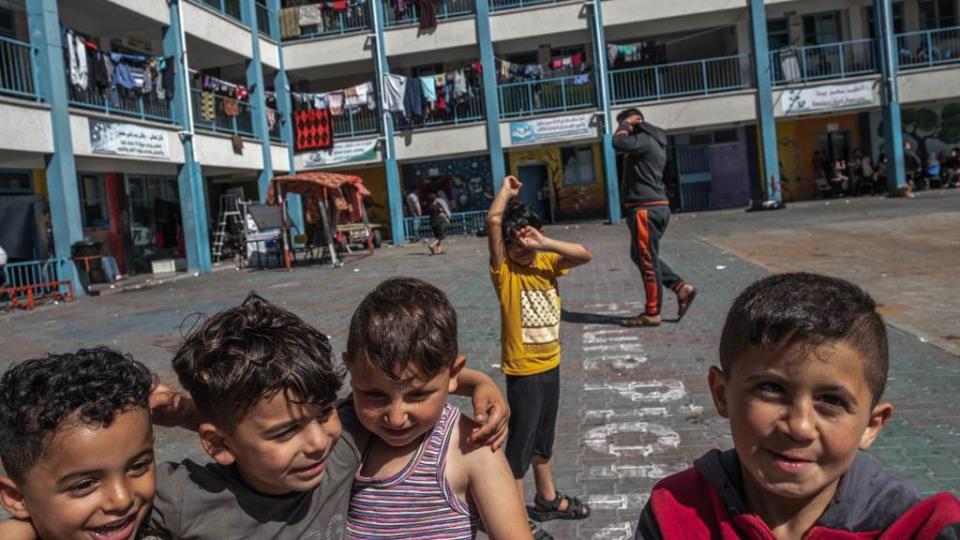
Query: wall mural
[
  {"x": 466, "y": 182},
  {"x": 573, "y": 196}
]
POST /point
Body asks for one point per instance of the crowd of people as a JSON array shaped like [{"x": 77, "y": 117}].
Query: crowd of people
[{"x": 860, "y": 175}]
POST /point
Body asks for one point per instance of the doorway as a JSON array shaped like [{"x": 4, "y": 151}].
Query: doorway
[
  {"x": 535, "y": 180},
  {"x": 833, "y": 145}
]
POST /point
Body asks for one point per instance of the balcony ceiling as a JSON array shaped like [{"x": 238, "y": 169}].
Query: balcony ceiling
[{"x": 101, "y": 18}]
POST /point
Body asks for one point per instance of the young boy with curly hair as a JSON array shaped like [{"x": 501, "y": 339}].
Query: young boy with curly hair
[
  {"x": 524, "y": 267},
  {"x": 420, "y": 478},
  {"x": 803, "y": 365},
  {"x": 76, "y": 443}
]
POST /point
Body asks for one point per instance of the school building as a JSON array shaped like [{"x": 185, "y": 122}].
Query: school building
[{"x": 127, "y": 121}]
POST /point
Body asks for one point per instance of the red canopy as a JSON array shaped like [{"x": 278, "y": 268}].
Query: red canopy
[{"x": 346, "y": 191}]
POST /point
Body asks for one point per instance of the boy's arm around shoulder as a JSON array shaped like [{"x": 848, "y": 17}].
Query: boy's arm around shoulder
[{"x": 491, "y": 486}]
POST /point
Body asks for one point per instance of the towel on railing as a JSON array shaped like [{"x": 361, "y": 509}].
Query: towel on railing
[
  {"x": 289, "y": 22},
  {"x": 314, "y": 129},
  {"x": 208, "y": 106},
  {"x": 231, "y": 107},
  {"x": 310, "y": 15}
]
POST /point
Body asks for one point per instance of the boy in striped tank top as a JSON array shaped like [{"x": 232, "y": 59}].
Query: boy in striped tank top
[{"x": 419, "y": 478}]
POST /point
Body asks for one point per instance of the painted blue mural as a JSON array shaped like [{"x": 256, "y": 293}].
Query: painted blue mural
[{"x": 465, "y": 182}]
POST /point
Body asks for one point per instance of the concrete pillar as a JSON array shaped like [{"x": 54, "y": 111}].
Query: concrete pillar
[
  {"x": 491, "y": 94},
  {"x": 601, "y": 82},
  {"x": 394, "y": 193},
  {"x": 61, "y": 171},
  {"x": 889, "y": 95},
  {"x": 769, "y": 165},
  {"x": 257, "y": 99},
  {"x": 193, "y": 203},
  {"x": 281, "y": 85}
]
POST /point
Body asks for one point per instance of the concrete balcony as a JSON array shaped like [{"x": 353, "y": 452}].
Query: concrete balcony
[
  {"x": 679, "y": 79},
  {"x": 524, "y": 19}
]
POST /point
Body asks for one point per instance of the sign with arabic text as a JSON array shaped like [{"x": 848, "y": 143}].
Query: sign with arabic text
[
  {"x": 119, "y": 139},
  {"x": 558, "y": 128},
  {"x": 343, "y": 152},
  {"x": 827, "y": 97}
]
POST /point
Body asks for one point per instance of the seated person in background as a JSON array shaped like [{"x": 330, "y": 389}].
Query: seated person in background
[
  {"x": 952, "y": 166},
  {"x": 839, "y": 179}
]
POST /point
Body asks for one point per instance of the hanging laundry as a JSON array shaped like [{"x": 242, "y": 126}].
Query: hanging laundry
[
  {"x": 582, "y": 79},
  {"x": 169, "y": 77},
  {"x": 428, "y": 15},
  {"x": 505, "y": 70},
  {"x": 441, "y": 79},
  {"x": 320, "y": 101},
  {"x": 237, "y": 143},
  {"x": 566, "y": 63},
  {"x": 429, "y": 84},
  {"x": 578, "y": 59},
  {"x": 101, "y": 77},
  {"x": 289, "y": 22},
  {"x": 271, "y": 119},
  {"x": 459, "y": 85},
  {"x": 413, "y": 100},
  {"x": 351, "y": 98},
  {"x": 313, "y": 129},
  {"x": 231, "y": 107},
  {"x": 310, "y": 15},
  {"x": 612, "y": 52},
  {"x": 208, "y": 106},
  {"x": 335, "y": 103},
  {"x": 394, "y": 90},
  {"x": 79, "y": 74},
  {"x": 365, "y": 94},
  {"x": 240, "y": 92},
  {"x": 122, "y": 75}
]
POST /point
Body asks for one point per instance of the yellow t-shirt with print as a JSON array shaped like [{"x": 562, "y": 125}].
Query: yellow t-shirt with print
[{"x": 529, "y": 314}]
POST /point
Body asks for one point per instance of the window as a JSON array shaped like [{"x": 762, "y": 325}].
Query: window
[
  {"x": 725, "y": 136},
  {"x": 821, "y": 28},
  {"x": 7, "y": 23},
  {"x": 778, "y": 34},
  {"x": 93, "y": 202},
  {"x": 898, "y": 24},
  {"x": 15, "y": 182},
  {"x": 578, "y": 167},
  {"x": 937, "y": 14}
]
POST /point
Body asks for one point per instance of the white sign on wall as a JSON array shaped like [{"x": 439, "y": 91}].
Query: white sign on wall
[
  {"x": 827, "y": 97},
  {"x": 558, "y": 128},
  {"x": 343, "y": 152},
  {"x": 119, "y": 139}
]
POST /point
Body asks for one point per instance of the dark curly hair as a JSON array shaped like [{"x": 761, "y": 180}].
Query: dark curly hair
[
  {"x": 811, "y": 310},
  {"x": 246, "y": 353},
  {"x": 516, "y": 216},
  {"x": 88, "y": 387},
  {"x": 404, "y": 321}
]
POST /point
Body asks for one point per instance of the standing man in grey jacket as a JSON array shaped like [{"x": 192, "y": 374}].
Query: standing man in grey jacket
[{"x": 645, "y": 155}]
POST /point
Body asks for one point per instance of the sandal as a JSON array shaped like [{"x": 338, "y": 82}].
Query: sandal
[
  {"x": 640, "y": 321},
  {"x": 685, "y": 303},
  {"x": 544, "y": 510},
  {"x": 537, "y": 532}
]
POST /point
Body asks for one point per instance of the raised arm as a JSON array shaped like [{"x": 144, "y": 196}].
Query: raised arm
[
  {"x": 637, "y": 137},
  {"x": 571, "y": 253},
  {"x": 511, "y": 188}
]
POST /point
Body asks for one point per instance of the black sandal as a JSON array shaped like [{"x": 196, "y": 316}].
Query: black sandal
[{"x": 544, "y": 510}]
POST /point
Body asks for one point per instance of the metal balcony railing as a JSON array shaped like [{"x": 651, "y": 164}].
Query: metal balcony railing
[
  {"x": 337, "y": 23},
  {"x": 264, "y": 18},
  {"x": 410, "y": 14},
  {"x": 832, "y": 61},
  {"x": 502, "y": 5},
  {"x": 928, "y": 48},
  {"x": 354, "y": 122},
  {"x": 464, "y": 223},
  {"x": 230, "y": 8},
  {"x": 558, "y": 94},
  {"x": 115, "y": 101},
  {"x": 698, "y": 77},
  {"x": 464, "y": 111},
  {"x": 220, "y": 121},
  {"x": 18, "y": 75}
]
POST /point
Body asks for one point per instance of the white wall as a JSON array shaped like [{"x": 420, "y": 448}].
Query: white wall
[
  {"x": 25, "y": 127},
  {"x": 704, "y": 111},
  {"x": 217, "y": 151},
  {"x": 279, "y": 157},
  {"x": 216, "y": 29},
  {"x": 324, "y": 52},
  {"x": 441, "y": 143},
  {"x": 156, "y": 10},
  {"x": 448, "y": 35},
  {"x": 269, "y": 54},
  {"x": 545, "y": 20}
]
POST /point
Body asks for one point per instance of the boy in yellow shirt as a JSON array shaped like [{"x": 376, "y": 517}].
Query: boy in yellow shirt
[{"x": 524, "y": 266}]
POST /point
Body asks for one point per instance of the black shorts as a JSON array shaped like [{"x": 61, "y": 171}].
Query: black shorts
[
  {"x": 534, "y": 402},
  {"x": 438, "y": 232}
]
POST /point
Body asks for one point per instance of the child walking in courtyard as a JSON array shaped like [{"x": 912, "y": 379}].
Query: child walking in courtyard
[
  {"x": 419, "y": 477},
  {"x": 803, "y": 365},
  {"x": 524, "y": 266},
  {"x": 438, "y": 218}
]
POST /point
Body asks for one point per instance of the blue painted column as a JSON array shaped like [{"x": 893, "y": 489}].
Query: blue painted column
[
  {"x": 491, "y": 92},
  {"x": 193, "y": 198},
  {"x": 602, "y": 81},
  {"x": 257, "y": 98},
  {"x": 394, "y": 193},
  {"x": 61, "y": 171},
  {"x": 770, "y": 164},
  {"x": 281, "y": 85},
  {"x": 890, "y": 96}
]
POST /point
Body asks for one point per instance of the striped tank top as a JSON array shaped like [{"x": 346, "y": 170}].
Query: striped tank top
[{"x": 417, "y": 502}]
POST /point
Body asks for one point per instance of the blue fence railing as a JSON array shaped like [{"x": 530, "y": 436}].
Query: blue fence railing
[
  {"x": 115, "y": 101},
  {"x": 230, "y": 8},
  {"x": 501, "y": 5},
  {"x": 410, "y": 13},
  {"x": 463, "y": 223},
  {"x": 696, "y": 77},
  {"x": 337, "y": 23},
  {"x": 17, "y": 69},
  {"x": 209, "y": 114},
  {"x": 353, "y": 122},
  {"x": 928, "y": 48},
  {"x": 33, "y": 279},
  {"x": 832, "y": 61},
  {"x": 547, "y": 95},
  {"x": 466, "y": 110}
]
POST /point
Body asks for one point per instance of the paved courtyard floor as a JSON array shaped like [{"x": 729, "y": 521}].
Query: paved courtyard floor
[{"x": 634, "y": 403}]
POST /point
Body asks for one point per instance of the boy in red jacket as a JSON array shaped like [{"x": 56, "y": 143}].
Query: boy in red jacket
[{"x": 803, "y": 365}]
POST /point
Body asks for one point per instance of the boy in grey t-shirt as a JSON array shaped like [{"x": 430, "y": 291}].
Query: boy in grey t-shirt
[{"x": 263, "y": 383}]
